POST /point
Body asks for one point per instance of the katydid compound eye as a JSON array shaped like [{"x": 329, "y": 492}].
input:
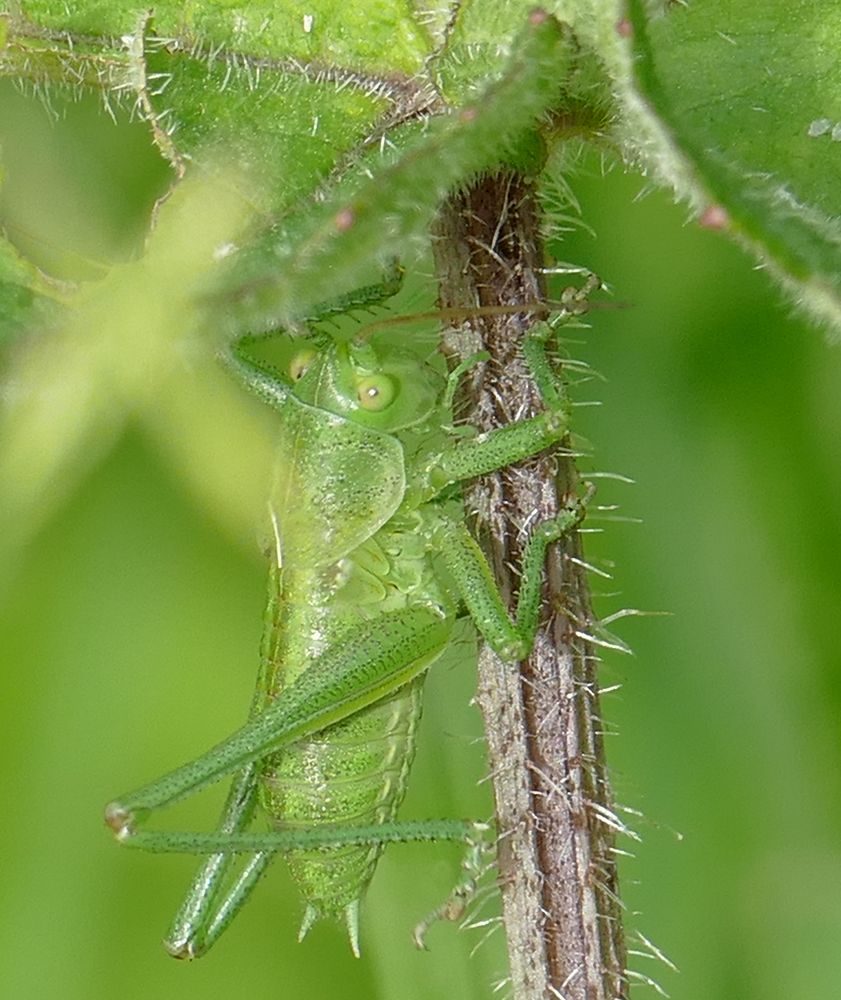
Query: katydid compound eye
[
  {"x": 300, "y": 364},
  {"x": 375, "y": 392}
]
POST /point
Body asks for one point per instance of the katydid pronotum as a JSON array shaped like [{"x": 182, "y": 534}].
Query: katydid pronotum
[{"x": 370, "y": 568}]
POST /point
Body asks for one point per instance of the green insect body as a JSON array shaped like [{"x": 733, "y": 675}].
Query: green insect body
[
  {"x": 371, "y": 566},
  {"x": 347, "y": 551}
]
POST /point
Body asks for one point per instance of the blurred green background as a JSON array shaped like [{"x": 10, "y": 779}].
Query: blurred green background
[{"x": 128, "y": 641}]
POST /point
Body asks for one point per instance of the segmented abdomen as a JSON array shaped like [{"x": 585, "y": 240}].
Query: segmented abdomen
[{"x": 353, "y": 773}]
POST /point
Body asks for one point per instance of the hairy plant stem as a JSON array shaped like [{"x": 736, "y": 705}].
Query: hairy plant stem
[{"x": 557, "y": 865}]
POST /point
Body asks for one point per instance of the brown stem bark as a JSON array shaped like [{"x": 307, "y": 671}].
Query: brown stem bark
[{"x": 557, "y": 865}]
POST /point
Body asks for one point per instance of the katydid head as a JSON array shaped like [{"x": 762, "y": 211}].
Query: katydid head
[{"x": 383, "y": 388}]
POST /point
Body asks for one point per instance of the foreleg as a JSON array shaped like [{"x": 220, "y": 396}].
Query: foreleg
[{"x": 511, "y": 638}]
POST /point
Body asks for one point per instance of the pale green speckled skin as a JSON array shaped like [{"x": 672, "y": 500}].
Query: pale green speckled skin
[{"x": 352, "y": 548}]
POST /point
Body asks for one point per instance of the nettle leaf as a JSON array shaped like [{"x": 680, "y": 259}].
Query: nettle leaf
[
  {"x": 285, "y": 92},
  {"x": 287, "y": 98},
  {"x": 375, "y": 214},
  {"x": 295, "y": 99},
  {"x": 741, "y": 112}
]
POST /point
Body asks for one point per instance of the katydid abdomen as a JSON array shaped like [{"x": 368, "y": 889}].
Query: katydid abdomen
[{"x": 353, "y": 773}]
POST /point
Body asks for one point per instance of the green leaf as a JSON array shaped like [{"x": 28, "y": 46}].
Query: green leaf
[
  {"x": 288, "y": 91},
  {"x": 27, "y": 300},
  {"x": 373, "y": 216},
  {"x": 281, "y": 95},
  {"x": 741, "y": 111}
]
